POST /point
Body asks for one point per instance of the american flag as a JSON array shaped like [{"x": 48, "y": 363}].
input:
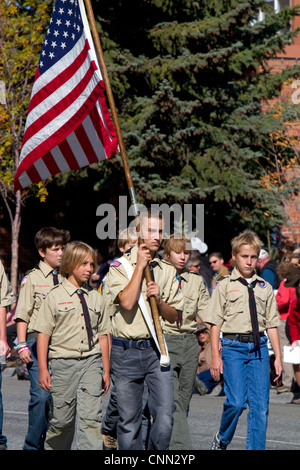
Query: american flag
[{"x": 68, "y": 124}]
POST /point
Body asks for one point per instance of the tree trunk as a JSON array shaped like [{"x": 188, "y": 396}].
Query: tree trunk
[{"x": 15, "y": 231}]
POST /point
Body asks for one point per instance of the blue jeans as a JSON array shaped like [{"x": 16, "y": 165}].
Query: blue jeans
[
  {"x": 207, "y": 379},
  {"x": 38, "y": 406},
  {"x": 246, "y": 373},
  {"x": 3, "y": 439},
  {"x": 131, "y": 368}
]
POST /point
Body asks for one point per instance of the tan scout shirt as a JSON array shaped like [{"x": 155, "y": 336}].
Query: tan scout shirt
[
  {"x": 131, "y": 324},
  {"x": 61, "y": 317},
  {"x": 35, "y": 285},
  {"x": 6, "y": 295},
  {"x": 108, "y": 305},
  {"x": 229, "y": 305},
  {"x": 195, "y": 299}
]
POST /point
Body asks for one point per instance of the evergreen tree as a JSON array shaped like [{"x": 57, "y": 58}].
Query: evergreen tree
[{"x": 189, "y": 79}]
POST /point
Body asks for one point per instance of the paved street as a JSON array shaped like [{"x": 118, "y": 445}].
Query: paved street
[{"x": 205, "y": 412}]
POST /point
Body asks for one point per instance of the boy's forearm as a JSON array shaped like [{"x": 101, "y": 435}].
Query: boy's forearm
[
  {"x": 167, "y": 312},
  {"x": 128, "y": 296},
  {"x": 215, "y": 339},
  {"x": 21, "y": 330},
  {"x": 104, "y": 346},
  {"x": 42, "y": 351},
  {"x": 274, "y": 338}
]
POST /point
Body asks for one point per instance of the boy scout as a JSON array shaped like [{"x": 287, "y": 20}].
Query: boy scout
[
  {"x": 6, "y": 298},
  {"x": 49, "y": 242},
  {"x": 181, "y": 337},
  {"x": 127, "y": 239},
  {"x": 72, "y": 317},
  {"x": 134, "y": 356},
  {"x": 243, "y": 306}
]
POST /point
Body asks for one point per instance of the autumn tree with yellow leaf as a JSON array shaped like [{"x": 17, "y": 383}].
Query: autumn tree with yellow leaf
[
  {"x": 22, "y": 28},
  {"x": 280, "y": 170}
]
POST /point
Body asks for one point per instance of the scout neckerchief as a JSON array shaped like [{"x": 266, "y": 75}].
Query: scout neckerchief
[
  {"x": 86, "y": 315},
  {"x": 164, "y": 360},
  {"x": 252, "y": 307},
  {"x": 179, "y": 314}
]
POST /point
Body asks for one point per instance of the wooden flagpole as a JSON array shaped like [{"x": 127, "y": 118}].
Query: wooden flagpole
[{"x": 125, "y": 162}]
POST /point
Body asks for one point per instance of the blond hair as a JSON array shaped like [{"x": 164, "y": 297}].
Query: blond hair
[
  {"x": 177, "y": 242},
  {"x": 126, "y": 236},
  {"x": 74, "y": 254},
  {"x": 248, "y": 237}
]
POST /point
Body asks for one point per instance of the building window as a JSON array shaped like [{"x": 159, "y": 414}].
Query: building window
[{"x": 277, "y": 6}]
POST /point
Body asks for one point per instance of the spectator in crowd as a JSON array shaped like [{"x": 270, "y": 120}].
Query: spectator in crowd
[
  {"x": 216, "y": 261},
  {"x": 294, "y": 325},
  {"x": 204, "y": 382},
  {"x": 268, "y": 269},
  {"x": 200, "y": 264},
  {"x": 284, "y": 298}
]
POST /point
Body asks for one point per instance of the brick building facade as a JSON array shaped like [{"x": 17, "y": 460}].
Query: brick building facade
[{"x": 291, "y": 57}]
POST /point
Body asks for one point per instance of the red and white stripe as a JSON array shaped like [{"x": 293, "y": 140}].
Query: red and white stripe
[{"x": 68, "y": 124}]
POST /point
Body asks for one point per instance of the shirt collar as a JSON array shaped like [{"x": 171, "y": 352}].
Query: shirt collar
[
  {"x": 235, "y": 275},
  {"x": 45, "y": 268},
  {"x": 184, "y": 275},
  {"x": 71, "y": 289}
]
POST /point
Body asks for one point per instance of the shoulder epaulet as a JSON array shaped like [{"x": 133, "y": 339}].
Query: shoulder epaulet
[
  {"x": 224, "y": 277},
  {"x": 30, "y": 271},
  {"x": 55, "y": 287}
]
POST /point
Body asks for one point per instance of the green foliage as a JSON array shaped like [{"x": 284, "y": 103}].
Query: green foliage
[
  {"x": 189, "y": 79},
  {"x": 22, "y": 28}
]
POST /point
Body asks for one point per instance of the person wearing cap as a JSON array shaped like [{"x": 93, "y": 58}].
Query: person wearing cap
[
  {"x": 198, "y": 245},
  {"x": 204, "y": 382},
  {"x": 268, "y": 269},
  {"x": 180, "y": 337},
  {"x": 216, "y": 262},
  {"x": 285, "y": 296}
]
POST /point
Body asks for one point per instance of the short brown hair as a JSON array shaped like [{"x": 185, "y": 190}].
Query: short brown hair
[
  {"x": 51, "y": 236},
  {"x": 177, "y": 242},
  {"x": 74, "y": 254},
  {"x": 248, "y": 237}
]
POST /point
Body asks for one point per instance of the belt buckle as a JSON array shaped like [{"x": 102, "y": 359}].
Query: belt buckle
[
  {"x": 140, "y": 344},
  {"x": 244, "y": 338}
]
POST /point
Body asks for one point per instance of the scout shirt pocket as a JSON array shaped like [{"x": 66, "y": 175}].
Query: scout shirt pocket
[
  {"x": 261, "y": 298},
  {"x": 65, "y": 313},
  {"x": 95, "y": 316},
  {"x": 235, "y": 301},
  {"x": 40, "y": 293},
  {"x": 190, "y": 305}
]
